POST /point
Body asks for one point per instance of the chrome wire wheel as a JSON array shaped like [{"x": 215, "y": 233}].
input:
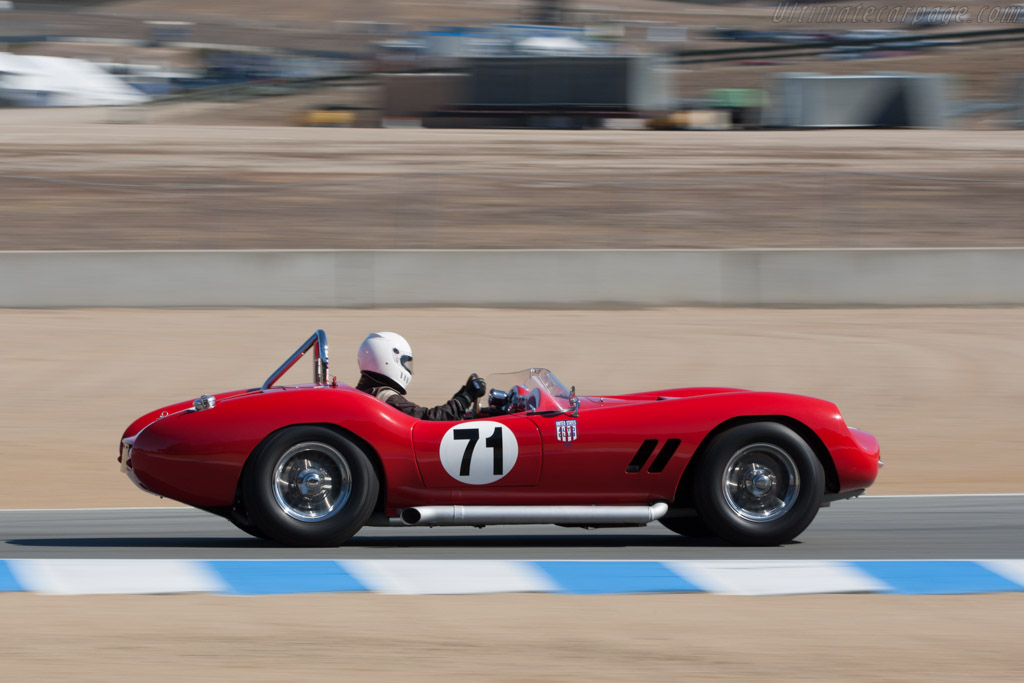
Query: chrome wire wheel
[
  {"x": 760, "y": 482},
  {"x": 312, "y": 481}
]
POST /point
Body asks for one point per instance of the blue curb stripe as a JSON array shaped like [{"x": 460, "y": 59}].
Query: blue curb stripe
[
  {"x": 8, "y": 583},
  {"x": 937, "y": 577},
  {"x": 615, "y": 577},
  {"x": 268, "y": 577}
]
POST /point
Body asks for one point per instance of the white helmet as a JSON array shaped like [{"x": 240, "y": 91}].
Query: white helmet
[{"x": 389, "y": 355}]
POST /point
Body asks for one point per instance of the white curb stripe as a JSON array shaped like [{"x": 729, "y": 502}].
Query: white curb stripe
[
  {"x": 82, "y": 577},
  {"x": 1011, "y": 570},
  {"x": 435, "y": 577},
  {"x": 740, "y": 577}
]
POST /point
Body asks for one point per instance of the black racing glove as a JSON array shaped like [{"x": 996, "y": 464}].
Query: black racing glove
[
  {"x": 475, "y": 388},
  {"x": 466, "y": 395}
]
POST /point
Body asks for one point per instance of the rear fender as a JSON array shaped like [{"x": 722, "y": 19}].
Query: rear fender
[
  {"x": 198, "y": 457},
  {"x": 363, "y": 444}
]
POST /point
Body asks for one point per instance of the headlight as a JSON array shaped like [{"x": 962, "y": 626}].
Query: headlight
[
  {"x": 204, "y": 402},
  {"x": 126, "y": 455}
]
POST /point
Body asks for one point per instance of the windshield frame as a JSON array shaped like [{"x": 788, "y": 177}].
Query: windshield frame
[{"x": 318, "y": 342}]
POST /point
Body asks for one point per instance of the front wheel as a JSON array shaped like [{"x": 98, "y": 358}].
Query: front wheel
[
  {"x": 759, "y": 484},
  {"x": 309, "y": 486}
]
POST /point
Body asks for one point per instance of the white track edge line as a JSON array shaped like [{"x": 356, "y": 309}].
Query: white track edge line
[
  {"x": 591, "y": 560},
  {"x": 932, "y": 495}
]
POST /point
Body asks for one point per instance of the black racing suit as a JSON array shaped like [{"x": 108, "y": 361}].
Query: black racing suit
[{"x": 455, "y": 409}]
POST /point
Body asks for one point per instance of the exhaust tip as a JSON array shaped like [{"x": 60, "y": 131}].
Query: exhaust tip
[{"x": 411, "y": 516}]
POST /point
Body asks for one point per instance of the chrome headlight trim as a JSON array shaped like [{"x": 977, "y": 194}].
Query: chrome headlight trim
[{"x": 204, "y": 402}]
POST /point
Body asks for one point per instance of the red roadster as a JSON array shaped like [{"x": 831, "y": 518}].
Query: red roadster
[{"x": 310, "y": 465}]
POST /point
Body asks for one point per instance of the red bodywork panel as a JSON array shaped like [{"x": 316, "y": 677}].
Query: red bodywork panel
[{"x": 197, "y": 457}]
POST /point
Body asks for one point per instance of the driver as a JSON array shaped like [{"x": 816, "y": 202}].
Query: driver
[{"x": 385, "y": 366}]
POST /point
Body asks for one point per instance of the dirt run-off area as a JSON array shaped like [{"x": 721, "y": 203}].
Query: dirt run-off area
[
  {"x": 71, "y": 180},
  {"x": 942, "y": 389},
  {"x": 512, "y": 638}
]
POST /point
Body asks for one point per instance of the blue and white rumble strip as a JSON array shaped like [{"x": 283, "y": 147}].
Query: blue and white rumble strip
[{"x": 422, "y": 577}]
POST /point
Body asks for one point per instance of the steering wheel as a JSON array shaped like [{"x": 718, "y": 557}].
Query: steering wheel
[
  {"x": 476, "y": 402},
  {"x": 532, "y": 403}
]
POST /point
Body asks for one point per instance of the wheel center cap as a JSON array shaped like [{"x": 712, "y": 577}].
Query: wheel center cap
[
  {"x": 760, "y": 482},
  {"x": 310, "y": 482}
]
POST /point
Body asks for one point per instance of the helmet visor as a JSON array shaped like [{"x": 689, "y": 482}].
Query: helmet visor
[{"x": 406, "y": 362}]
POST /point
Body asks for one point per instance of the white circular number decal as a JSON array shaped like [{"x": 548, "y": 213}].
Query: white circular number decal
[{"x": 479, "y": 452}]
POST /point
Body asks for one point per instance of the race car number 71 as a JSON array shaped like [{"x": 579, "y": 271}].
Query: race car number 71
[{"x": 464, "y": 458}]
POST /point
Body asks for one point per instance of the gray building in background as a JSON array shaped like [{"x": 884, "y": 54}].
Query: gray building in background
[
  {"x": 532, "y": 91},
  {"x": 619, "y": 83},
  {"x": 882, "y": 100}
]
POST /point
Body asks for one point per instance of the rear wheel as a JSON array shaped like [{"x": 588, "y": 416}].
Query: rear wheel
[
  {"x": 759, "y": 484},
  {"x": 309, "y": 486}
]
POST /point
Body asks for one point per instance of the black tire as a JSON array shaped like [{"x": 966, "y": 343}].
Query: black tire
[
  {"x": 241, "y": 520},
  {"x": 759, "y": 484},
  {"x": 309, "y": 486},
  {"x": 694, "y": 527}
]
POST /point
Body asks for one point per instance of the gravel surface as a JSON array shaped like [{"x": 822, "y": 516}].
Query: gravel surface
[
  {"x": 512, "y": 638},
  {"x": 70, "y": 181}
]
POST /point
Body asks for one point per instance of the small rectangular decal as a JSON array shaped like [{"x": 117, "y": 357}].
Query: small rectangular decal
[{"x": 565, "y": 430}]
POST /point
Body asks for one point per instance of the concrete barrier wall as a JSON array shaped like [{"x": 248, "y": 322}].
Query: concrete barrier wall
[{"x": 518, "y": 278}]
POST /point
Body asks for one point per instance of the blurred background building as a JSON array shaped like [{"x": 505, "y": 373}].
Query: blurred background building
[
  {"x": 205, "y": 83},
  {"x": 524, "y": 63}
]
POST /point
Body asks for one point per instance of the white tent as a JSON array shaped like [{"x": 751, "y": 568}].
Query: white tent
[
  {"x": 32, "y": 81},
  {"x": 551, "y": 45}
]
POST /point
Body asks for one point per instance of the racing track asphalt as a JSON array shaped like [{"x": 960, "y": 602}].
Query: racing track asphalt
[{"x": 881, "y": 527}]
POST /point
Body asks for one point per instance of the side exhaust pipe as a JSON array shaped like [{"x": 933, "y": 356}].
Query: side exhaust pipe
[{"x": 573, "y": 515}]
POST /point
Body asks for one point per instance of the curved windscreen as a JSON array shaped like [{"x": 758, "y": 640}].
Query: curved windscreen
[{"x": 554, "y": 395}]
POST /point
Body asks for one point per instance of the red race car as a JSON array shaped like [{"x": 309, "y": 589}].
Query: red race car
[{"x": 310, "y": 465}]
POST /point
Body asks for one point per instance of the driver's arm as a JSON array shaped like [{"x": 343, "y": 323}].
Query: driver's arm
[{"x": 455, "y": 409}]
